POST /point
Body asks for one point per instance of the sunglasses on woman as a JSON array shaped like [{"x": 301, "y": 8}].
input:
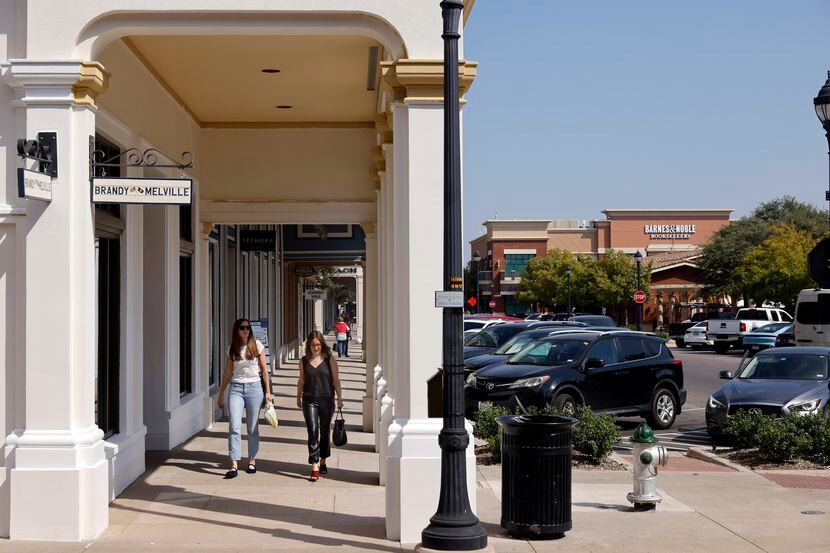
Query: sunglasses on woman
[{"x": 244, "y": 327}]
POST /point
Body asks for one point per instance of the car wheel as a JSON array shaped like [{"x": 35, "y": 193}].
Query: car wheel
[
  {"x": 663, "y": 409},
  {"x": 565, "y": 403},
  {"x": 721, "y": 347},
  {"x": 680, "y": 342}
]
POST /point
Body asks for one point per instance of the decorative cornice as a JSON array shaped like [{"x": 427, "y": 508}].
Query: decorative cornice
[
  {"x": 383, "y": 126},
  {"x": 286, "y": 124},
  {"x": 419, "y": 79},
  {"x": 56, "y": 81},
  {"x": 93, "y": 81}
]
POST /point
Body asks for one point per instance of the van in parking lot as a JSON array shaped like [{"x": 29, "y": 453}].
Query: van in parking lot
[{"x": 812, "y": 318}]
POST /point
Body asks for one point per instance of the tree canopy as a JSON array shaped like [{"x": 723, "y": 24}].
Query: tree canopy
[
  {"x": 727, "y": 250},
  {"x": 593, "y": 284}
]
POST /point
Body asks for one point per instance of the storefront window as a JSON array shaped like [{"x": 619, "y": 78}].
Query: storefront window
[
  {"x": 516, "y": 263},
  {"x": 185, "y": 300},
  {"x": 513, "y": 307}
]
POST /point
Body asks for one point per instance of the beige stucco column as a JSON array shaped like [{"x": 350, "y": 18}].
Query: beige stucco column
[{"x": 370, "y": 328}]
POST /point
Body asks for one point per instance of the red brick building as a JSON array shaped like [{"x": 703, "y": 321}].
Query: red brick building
[{"x": 671, "y": 239}]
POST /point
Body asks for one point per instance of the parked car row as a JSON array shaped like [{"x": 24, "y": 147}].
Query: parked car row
[{"x": 612, "y": 370}]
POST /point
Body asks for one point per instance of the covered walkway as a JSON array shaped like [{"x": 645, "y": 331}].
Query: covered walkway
[{"x": 183, "y": 503}]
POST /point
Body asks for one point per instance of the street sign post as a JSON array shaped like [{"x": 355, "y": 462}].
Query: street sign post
[
  {"x": 640, "y": 296},
  {"x": 818, "y": 261}
]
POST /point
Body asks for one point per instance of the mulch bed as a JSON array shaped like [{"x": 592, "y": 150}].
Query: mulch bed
[
  {"x": 579, "y": 461},
  {"x": 750, "y": 458}
]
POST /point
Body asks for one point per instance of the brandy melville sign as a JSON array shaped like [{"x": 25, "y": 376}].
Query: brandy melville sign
[
  {"x": 670, "y": 232},
  {"x": 111, "y": 190},
  {"x": 33, "y": 185}
]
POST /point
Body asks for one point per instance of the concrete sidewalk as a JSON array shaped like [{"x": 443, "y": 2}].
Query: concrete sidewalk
[{"x": 182, "y": 503}]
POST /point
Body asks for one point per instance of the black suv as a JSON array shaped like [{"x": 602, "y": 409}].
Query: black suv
[{"x": 620, "y": 372}]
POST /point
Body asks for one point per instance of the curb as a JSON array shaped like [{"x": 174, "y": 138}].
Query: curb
[
  {"x": 614, "y": 456},
  {"x": 703, "y": 455}
]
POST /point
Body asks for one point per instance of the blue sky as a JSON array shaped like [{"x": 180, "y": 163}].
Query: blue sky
[{"x": 584, "y": 105}]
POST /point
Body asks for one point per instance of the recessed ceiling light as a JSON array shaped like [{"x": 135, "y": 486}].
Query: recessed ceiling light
[
  {"x": 284, "y": 106},
  {"x": 270, "y": 70}
]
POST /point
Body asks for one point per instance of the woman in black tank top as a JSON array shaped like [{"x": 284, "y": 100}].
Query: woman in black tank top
[{"x": 319, "y": 382}]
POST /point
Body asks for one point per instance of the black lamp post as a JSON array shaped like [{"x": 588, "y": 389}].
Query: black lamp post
[
  {"x": 568, "y": 278},
  {"x": 638, "y": 258},
  {"x": 477, "y": 259},
  {"x": 453, "y": 527},
  {"x": 822, "y": 105}
]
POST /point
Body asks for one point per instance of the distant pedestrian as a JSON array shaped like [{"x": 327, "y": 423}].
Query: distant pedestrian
[
  {"x": 247, "y": 374},
  {"x": 341, "y": 333},
  {"x": 316, "y": 388}
]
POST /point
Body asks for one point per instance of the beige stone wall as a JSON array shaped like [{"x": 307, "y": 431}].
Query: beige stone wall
[{"x": 575, "y": 241}]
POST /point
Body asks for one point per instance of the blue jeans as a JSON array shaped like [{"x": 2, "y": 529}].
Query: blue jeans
[
  {"x": 342, "y": 348},
  {"x": 248, "y": 395}
]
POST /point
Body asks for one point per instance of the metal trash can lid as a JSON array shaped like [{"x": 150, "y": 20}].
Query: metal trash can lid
[{"x": 536, "y": 422}]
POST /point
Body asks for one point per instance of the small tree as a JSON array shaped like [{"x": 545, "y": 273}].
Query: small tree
[{"x": 776, "y": 270}]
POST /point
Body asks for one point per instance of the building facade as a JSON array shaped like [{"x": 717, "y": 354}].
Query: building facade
[
  {"x": 265, "y": 114},
  {"x": 670, "y": 239}
]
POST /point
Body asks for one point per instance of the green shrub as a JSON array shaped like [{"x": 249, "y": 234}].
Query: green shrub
[
  {"x": 744, "y": 428},
  {"x": 815, "y": 433},
  {"x": 783, "y": 440},
  {"x": 594, "y": 435},
  {"x": 487, "y": 427}
]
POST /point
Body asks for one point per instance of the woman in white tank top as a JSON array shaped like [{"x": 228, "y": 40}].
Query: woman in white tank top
[{"x": 247, "y": 374}]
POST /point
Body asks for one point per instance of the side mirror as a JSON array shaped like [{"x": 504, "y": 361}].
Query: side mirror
[
  {"x": 594, "y": 363},
  {"x": 726, "y": 375}
]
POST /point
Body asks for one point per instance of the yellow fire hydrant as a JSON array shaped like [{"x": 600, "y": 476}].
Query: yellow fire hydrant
[{"x": 647, "y": 456}]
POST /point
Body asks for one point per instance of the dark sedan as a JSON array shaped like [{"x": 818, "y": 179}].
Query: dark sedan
[
  {"x": 495, "y": 336},
  {"x": 776, "y": 382},
  {"x": 622, "y": 372}
]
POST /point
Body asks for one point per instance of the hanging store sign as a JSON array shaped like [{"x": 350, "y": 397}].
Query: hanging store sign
[
  {"x": 670, "y": 232},
  {"x": 316, "y": 294},
  {"x": 118, "y": 190},
  {"x": 33, "y": 185},
  {"x": 258, "y": 240}
]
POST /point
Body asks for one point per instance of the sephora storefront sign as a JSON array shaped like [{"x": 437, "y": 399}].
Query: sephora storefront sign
[{"x": 106, "y": 190}]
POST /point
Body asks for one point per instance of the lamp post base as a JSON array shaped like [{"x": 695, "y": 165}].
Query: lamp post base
[
  {"x": 421, "y": 549},
  {"x": 454, "y": 538}
]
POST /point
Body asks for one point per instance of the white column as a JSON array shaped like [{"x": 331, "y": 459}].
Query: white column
[
  {"x": 414, "y": 457},
  {"x": 370, "y": 329},
  {"x": 59, "y": 483},
  {"x": 318, "y": 315},
  {"x": 360, "y": 299}
]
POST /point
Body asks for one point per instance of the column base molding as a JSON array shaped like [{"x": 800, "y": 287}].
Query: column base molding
[
  {"x": 413, "y": 479},
  {"x": 58, "y": 476}
]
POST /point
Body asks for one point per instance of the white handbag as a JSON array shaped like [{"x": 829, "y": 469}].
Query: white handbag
[
  {"x": 271, "y": 414},
  {"x": 341, "y": 336}
]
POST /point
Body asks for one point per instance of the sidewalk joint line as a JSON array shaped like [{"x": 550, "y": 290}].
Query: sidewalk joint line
[{"x": 704, "y": 515}]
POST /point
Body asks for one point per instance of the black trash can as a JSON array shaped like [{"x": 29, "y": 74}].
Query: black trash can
[{"x": 536, "y": 475}]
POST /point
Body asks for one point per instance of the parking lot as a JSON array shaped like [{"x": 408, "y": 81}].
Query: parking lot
[{"x": 700, "y": 372}]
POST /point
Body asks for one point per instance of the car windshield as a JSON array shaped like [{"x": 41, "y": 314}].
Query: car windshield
[
  {"x": 752, "y": 315},
  {"x": 516, "y": 344},
  {"x": 701, "y": 324},
  {"x": 550, "y": 352},
  {"x": 784, "y": 366},
  {"x": 594, "y": 320},
  {"x": 774, "y": 327},
  {"x": 493, "y": 336},
  {"x": 472, "y": 325}
]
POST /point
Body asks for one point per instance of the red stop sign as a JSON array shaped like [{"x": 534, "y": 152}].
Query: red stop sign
[
  {"x": 640, "y": 296},
  {"x": 492, "y": 303},
  {"x": 472, "y": 302}
]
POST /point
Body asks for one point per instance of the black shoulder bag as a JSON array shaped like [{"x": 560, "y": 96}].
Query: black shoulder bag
[{"x": 338, "y": 434}]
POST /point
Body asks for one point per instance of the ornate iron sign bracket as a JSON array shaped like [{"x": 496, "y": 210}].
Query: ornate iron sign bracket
[
  {"x": 133, "y": 157},
  {"x": 44, "y": 150}
]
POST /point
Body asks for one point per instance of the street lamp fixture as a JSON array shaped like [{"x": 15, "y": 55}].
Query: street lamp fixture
[
  {"x": 477, "y": 259},
  {"x": 638, "y": 258},
  {"x": 453, "y": 527},
  {"x": 822, "y": 105}
]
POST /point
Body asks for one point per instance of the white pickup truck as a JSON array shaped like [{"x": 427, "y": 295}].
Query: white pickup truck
[{"x": 729, "y": 333}]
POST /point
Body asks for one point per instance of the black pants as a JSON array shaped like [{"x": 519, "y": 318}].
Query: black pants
[{"x": 318, "y": 412}]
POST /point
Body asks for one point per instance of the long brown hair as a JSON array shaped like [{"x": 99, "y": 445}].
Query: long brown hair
[
  {"x": 236, "y": 342},
  {"x": 324, "y": 347}
]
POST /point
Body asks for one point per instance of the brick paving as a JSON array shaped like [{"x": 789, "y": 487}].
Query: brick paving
[{"x": 801, "y": 481}]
